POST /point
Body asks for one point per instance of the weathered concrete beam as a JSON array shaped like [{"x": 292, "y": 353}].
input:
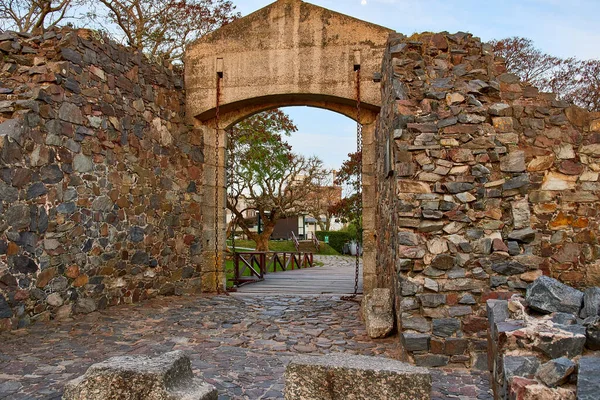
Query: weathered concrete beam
[{"x": 344, "y": 376}]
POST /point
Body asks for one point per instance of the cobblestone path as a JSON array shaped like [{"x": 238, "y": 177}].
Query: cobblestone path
[{"x": 240, "y": 344}]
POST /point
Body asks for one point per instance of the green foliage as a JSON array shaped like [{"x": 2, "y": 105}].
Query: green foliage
[{"x": 336, "y": 238}]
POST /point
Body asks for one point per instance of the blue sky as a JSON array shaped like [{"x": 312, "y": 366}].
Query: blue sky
[{"x": 560, "y": 27}]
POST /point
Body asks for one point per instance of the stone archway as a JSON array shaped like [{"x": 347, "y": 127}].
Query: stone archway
[{"x": 289, "y": 53}]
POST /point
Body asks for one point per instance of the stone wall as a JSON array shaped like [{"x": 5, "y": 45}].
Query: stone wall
[
  {"x": 494, "y": 184},
  {"x": 98, "y": 178}
]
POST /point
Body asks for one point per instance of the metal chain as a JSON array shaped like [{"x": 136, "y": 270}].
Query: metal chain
[
  {"x": 217, "y": 133},
  {"x": 358, "y": 187},
  {"x": 358, "y": 179}
]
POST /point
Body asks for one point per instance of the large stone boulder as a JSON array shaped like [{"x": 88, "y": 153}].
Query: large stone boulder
[
  {"x": 378, "y": 313},
  {"x": 167, "y": 377},
  {"x": 548, "y": 295},
  {"x": 340, "y": 376}
]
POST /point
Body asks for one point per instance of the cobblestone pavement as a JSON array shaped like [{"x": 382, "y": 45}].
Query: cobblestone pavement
[{"x": 240, "y": 344}]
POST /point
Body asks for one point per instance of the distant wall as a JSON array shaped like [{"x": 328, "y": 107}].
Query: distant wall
[
  {"x": 493, "y": 184},
  {"x": 98, "y": 178}
]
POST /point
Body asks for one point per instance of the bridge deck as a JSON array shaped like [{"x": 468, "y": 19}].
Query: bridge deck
[{"x": 335, "y": 277}]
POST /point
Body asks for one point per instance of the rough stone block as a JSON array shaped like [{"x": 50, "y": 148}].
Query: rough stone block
[
  {"x": 167, "y": 377},
  {"x": 548, "y": 295},
  {"x": 556, "y": 372},
  {"x": 588, "y": 384},
  {"x": 345, "y": 376},
  {"x": 591, "y": 302},
  {"x": 378, "y": 312}
]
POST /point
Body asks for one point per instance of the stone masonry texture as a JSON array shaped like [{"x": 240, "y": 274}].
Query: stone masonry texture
[
  {"x": 484, "y": 183},
  {"x": 98, "y": 178}
]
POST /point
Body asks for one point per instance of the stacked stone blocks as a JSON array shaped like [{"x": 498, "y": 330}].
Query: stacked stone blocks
[{"x": 493, "y": 185}]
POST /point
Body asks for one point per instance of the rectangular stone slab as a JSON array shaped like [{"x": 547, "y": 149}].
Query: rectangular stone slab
[{"x": 345, "y": 376}]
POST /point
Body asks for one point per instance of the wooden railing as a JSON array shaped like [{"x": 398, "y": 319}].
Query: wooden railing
[
  {"x": 295, "y": 241},
  {"x": 252, "y": 266},
  {"x": 316, "y": 242}
]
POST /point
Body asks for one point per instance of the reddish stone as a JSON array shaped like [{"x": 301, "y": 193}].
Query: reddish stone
[
  {"x": 439, "y": 41},
  {"x": 569, "y": 253},
  {"x": 452, "y": 299},
  {"x": 21, "y": 295},
  {"x": 518, "y": 385},
  {"x": 72, "y": 272},
  {"x": 473, "y": 324},
  {"x": 462, "y": 129},
  {"x": 569, "y": 167},
  {"x": 575, "y": 277},
  {"x": 12, "y": 249},
  {"x": 436, "y": 346},
  {"x": 189, "y": 239},
  {"x": 81, "y": 280},
  {"x": 45, "y": 276},
  {"x": 581, "y": 223},
  {"x": 498, "y": 245},
  {"x": 496, "y": 296}
]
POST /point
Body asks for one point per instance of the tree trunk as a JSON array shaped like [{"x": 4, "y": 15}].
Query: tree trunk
[{"x": 262, "y": 240}]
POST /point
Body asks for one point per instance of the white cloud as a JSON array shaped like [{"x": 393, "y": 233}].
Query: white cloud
[{"x": 363, "y": 2}]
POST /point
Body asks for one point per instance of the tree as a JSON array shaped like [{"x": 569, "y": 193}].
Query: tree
[
  {"x": 28, "y": 15},
  {"x": 349, "y": 208},
  {"x": 318, "y": 204},
  {"x": 569, "y": 78},
  {"x": 263, "y": 169},
  {"x": 164, "y": 27}
]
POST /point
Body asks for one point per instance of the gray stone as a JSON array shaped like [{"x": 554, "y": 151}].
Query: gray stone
[
  {"x": 496, "y": 281},
  {"x": 168, "y": 377},
  {"x": 458, "y": 187},
  {"x": 344, "y": 376},
  {"x": 66, "y": 208},
  {"x": 517, "y": 182},
  {"x": 51, "y": 174},
  {"x": 5, "y": 310},
  {"x": 445, "y": 327},
  {"x": 82, "y": 163},
  {"x": 467, "y": 299},
  {"x": 556, "y": 372},
  {"x": 71, "y": 113},
  {"x": 408, "y": 288},
  {"x": 18, "y": 216},
  {"x": 416, "y": 341},
  {"x": 591, "y": 302},
  {"x": 136, "y": 234},
  {"x": 548, "y": 295},
  {"x": 513, "y": 162},
  {"x": 378, "y": 312},
  {"x": 432, "y": 300},
  {"x": 497, "y": 311},
  {"x": 508, "y": 267},
  {"x": 588, "y": 384},
  {"x": 36, "y": 190},
  {"x": 22, "y": 264},
  {"x": 526, "y": 235},
  {"x": 102, "y": 203},
  {"x": 431, "y": 360},
  {"x": 8, "y": 193},
  {"x": 12, "y": 128},
  {"x": 562, "y": 318},
  {"x": 592, "y": 332},
  {"x": 85, "y": 305},
  {"x": 416, "y": 323},
  {"x": 562, "y": 343},
  {"x": 513, "y": 248},
  {"x": 408, "y": 239},
  {"x": 525, "y": 366}
]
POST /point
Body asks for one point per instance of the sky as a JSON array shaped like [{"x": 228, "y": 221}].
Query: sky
[{"x": 566, "y": 28}]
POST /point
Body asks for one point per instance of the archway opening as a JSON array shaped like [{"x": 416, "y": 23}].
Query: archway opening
[{"x": 292, "y": 188}]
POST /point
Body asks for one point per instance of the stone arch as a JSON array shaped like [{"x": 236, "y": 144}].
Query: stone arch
[{"x": 297, "y": 55}]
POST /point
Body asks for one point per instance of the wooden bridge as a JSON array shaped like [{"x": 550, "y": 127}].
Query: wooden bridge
[{"x": 336, "y": 276}]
